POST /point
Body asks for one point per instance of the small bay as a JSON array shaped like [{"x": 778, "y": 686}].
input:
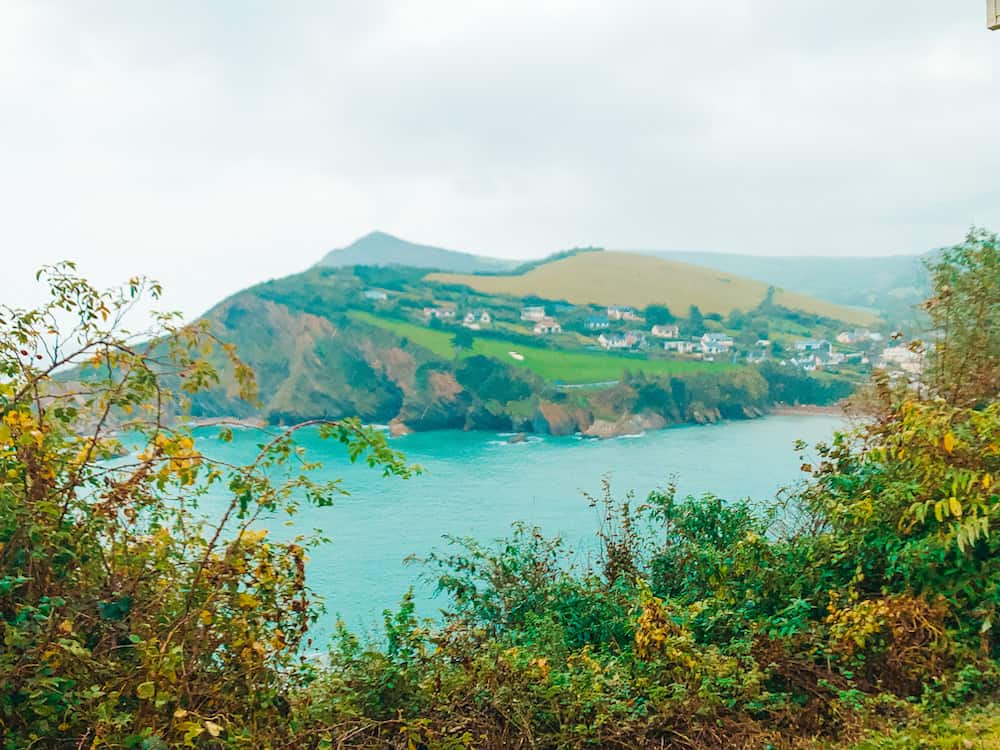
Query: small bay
[{"x": 478, "y": 484}]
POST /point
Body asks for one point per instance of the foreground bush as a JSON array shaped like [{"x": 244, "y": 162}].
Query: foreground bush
[
  {"x": 710, "y": 623},
  {"x": 130, "y": 620}
]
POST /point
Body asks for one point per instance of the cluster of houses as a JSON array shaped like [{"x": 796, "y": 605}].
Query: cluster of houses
[
  {"x": 858, "y": 336},
  {"x": 816, "y": 354},
  {"x": 708, "y": 346},
  {"x": 808, "y": 355},
  {"x": 474, "y": 319}
]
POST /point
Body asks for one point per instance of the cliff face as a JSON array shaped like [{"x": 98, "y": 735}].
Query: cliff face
[{"x": 331, "y": 366}]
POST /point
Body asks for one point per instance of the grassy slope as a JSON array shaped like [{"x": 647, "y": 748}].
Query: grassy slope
[
  {"x": 551, "y": 364},
  {"x": 608, "y": 278}
]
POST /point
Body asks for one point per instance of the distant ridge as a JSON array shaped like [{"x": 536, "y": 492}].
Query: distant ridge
[
  {"x": 382, "y": 249},
  {"x": 891, "y": 284}
]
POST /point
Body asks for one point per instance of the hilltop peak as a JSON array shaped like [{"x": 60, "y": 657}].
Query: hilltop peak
[
  {"x": 377, "y": 235},
  {"x": 378, "y": 248}
]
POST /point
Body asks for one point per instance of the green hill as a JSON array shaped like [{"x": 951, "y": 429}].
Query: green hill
[
  {"x": 610, "y": 278},
  {"x": 322, "y": 346},
  {"x": 381, "y": 249}
]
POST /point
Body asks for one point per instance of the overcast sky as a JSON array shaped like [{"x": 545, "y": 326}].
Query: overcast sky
[{"x": 213, "y": 145}]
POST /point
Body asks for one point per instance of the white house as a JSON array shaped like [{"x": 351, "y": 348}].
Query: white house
[
  {"x": 681, "y": 346},
  {"x": 666, "y": 331},
  {"x": 716, "y": 343},
  {"x": 475, "y": 320},
  {"x": 616, "y": 312},
  {"x": 597, "y": 323},
  {"x": 536, "y": 313},
  {"x": 627, "y": 340},
  {"x": 614, "y": 341},
  {"x": 439, "y": 312},
  {"x": 547, "y": 326},
  {"x": 376, "y": 294}
]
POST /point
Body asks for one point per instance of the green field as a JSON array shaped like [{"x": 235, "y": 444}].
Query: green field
[{"x": 552, "y": 364}]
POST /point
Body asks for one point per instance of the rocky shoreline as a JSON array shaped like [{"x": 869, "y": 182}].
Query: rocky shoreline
[
  {"x": 559, "y": 420},
  {"x": 790, "y": 410}
]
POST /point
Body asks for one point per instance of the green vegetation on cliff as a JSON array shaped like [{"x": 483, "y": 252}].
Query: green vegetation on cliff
[{"x": 553, "y": 365}]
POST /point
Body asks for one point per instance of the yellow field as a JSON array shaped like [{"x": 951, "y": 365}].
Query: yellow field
[{"x": 617, "y": 278}]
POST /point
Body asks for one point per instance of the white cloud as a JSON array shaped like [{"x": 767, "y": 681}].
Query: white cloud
[
  {"x": 214, "y": 146},
  {"x": 949, "y": 63}
]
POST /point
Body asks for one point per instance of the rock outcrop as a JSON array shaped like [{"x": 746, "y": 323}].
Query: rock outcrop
[{"x": 630, "y": 424}]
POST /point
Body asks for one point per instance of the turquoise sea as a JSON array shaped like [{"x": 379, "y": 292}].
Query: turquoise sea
[{"x": 478, "y": 484}]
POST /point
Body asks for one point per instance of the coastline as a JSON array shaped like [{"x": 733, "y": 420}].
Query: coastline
[
  {"x": 629, "y": 425},
  {"x": 800, "y": 410}
]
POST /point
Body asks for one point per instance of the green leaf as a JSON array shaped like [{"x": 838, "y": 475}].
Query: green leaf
[{"x": 146, "y": 690}]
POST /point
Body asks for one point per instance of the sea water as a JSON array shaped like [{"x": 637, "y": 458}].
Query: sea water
[{"x": 478, "y": 484}]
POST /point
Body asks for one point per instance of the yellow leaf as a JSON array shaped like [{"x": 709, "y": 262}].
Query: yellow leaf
[
  {"x": 987, "y": 481},
  {"x": 146, "y": 690},
  {"x": 213, "y": 728},
  {"x": 949, "y": 442},
  {"x": 251, "y": 537},
  {"x": 247, "y": 601},
  {"x": 180, "y": 713},
  {"x": 939, "y": 510},
  {"x": 954, "y": 506}
]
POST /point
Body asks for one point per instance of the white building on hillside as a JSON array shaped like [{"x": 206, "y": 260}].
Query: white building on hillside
[
  {"x": 681, "y": 346},
  {"x": 666, "y": 331},
  {"x": 617, "y": 312},
  {"x": 627, "y": 340},
  {"x": 535, "y": 313},
  {"x": 547, "y": 326},
  {"x": 439, "y": 312},
  {"x": 475, "y": 320},
  {"x": 716, "y": 343}
]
